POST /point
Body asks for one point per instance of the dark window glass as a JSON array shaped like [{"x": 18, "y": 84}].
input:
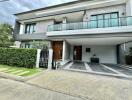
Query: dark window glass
[
  {"x": 104, "y": 20},
  {"x": 106, "y": 16},
  {"x": 88, "y": 49},
  {"x": 27, "y": 45},
  {"x": 93, "y": 22},
  {"x": 100, "y": 17},
  {"x": 114, "y": 15},
  {"x": 94, "y": 17},
  {"x": 114, "y": 19},
  {"x": 30, "y": 28}
]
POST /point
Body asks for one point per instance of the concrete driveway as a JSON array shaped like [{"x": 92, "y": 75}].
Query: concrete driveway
[
  {"x": 14, "y": 90},
  {"x": 86, "y": 86},
  {"x": 101, "y": 69}
]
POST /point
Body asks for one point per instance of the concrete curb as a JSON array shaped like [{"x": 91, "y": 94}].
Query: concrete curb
[{"x": 12, "y": 77}]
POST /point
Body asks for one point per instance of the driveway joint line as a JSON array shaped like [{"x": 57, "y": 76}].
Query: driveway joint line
[
  {"x": 88, "y": 68},
  {"x": 113, "y": 70},
  {"x": 69, "y": 65}
]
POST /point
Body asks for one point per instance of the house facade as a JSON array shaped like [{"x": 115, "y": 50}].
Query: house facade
[{"x": 83, "y": 30}]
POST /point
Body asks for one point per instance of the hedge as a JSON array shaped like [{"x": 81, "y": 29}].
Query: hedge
[{"x": 18, "y": 57}]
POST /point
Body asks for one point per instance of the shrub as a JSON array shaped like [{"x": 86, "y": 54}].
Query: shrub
[{"x": 18, "y": 57}]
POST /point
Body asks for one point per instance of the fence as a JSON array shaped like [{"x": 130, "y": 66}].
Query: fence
[{"x": 43, "y": 62}]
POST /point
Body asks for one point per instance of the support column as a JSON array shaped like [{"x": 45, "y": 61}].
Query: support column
[
  {"x": 50, "y": 59},
  {"x": 63, "y": 53},
  {"x": 122, "y": 54},
  {"x": 17, "y": 44},
  {"x": 38, "y": 58},
  {"x": 118, "y": 54}
]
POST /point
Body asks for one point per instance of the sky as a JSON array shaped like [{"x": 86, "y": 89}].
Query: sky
[{"x": 8, "y": 8}]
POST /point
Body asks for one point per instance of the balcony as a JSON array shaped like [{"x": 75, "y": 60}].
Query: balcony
[
  {"x": 113, "y": 22},
  {"x": 104, "y": 25}
]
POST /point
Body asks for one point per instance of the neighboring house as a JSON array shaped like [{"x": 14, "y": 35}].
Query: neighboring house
[{"x": 80, "y": 30}]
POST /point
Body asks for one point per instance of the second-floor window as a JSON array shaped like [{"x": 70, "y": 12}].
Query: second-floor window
[
  {"x": 30, "y": 28},
  {"x": 105, "y": 20}
]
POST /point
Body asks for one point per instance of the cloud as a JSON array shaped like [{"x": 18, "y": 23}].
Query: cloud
[{"x": 8, "y": 8}]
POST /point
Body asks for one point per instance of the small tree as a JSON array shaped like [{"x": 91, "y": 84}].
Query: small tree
[
  {"x": 40, "y": 44},
  {"x": 6, "y": 39}
]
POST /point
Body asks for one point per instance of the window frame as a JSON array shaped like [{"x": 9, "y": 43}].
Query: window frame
[
  {"x": 103, "y": 15},
  {"x": 104, "y": 19},
  {"x": 27, "y": 45},
  {"x": 28, "y": 28}
]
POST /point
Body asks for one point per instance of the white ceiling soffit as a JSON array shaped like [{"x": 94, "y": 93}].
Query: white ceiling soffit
[
  {"x": 77, "y": 15},
  {"x": 99, "y": 41}
]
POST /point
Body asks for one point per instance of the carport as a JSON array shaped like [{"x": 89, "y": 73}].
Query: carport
[
  {"x": 100, "y": 55},
  {"x": 95, "y": 49}
]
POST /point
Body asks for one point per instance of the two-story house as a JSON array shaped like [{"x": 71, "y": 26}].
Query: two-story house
[{"x": 80, "y": 30}]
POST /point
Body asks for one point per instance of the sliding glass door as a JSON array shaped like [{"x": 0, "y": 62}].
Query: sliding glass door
[{"x": 104, "y": 20}]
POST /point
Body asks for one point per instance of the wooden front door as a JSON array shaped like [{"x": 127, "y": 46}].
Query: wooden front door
[
  {"x": 57, "y": 50},
  {"x": 77, "y": 53}
]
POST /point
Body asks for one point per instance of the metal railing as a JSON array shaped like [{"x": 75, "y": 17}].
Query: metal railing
[{"x": 102, "y": 23}]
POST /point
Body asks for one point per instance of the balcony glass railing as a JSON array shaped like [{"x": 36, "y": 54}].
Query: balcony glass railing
[{"x": 103, "y": 23}]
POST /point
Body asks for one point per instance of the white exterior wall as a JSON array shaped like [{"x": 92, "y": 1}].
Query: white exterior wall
[
  {"x": 129, "y": 8},
  {"x": 17, "y": 44},
  {"x": 106, "y": 54},
  {"x": 118, "y": 8},
  {"x": 41, "y": 27}
]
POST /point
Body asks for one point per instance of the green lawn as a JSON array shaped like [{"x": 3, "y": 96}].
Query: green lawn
[{"x": 19, "y": 71}]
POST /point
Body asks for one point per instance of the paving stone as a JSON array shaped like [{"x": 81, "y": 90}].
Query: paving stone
[
  {"x": 13, "y": 90},
  {"x": 78, "y": 65},
  {"x": 99, "y": 68},
  {"x": 120, "y": 69}
]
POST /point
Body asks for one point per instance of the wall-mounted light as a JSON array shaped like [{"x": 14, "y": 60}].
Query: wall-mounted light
[{"x": 123, "y": 13}]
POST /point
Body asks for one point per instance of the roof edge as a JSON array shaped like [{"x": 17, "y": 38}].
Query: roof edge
[
  {"x": 53, "y": 6},
  {"x": 48, "y": 7}
]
